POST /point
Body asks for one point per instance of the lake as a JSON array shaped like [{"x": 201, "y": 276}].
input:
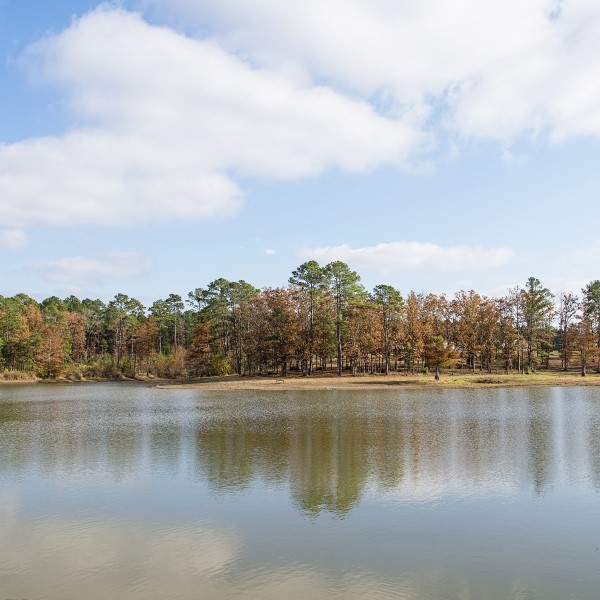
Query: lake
[{"x": 120, "y": 490}]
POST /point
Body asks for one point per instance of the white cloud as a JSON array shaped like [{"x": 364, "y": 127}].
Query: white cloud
[
  {"x": 165, "y": 123},
  {"x": 557, "y": 284},
  {"x": 80, "y": 270},
  {"x": 13, "y": 239},
  {"x": 586, "y": 256},
  {"x": 499, "y": 69},
  {"x": 269, "y": 251},
  {"x": 412, "y": 255}
]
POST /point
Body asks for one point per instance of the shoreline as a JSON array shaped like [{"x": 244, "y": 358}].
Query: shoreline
[
  {"x": 154, "y": 381},
  {"x": 346, "y": 382},
  {"x": 393, "y": 380}
]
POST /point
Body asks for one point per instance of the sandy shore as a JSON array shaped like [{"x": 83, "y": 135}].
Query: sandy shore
[
  {"x": 347, "y": 382},
  {"x": 369, "y": 382}
]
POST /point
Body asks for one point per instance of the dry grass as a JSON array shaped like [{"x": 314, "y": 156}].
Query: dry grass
[
  {"x": 331, "y": 382},
  {"x": 347, "y": 382},
  {"x": 16, "y": 376}
]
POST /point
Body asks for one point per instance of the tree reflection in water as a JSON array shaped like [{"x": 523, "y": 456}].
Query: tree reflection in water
[{"x": 329, "y": 448}]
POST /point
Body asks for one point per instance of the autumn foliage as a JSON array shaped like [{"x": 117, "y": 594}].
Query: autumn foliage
[{"x": 323, "y": 321}]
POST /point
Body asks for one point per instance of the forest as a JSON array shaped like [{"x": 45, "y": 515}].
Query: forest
[{"x": 323, "y": 321}]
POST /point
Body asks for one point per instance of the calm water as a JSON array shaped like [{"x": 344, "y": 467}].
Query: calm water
[{"x": 124, "y": 491}]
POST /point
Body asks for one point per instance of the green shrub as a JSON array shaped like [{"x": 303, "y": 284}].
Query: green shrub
[{"x": 219, "y": 366}]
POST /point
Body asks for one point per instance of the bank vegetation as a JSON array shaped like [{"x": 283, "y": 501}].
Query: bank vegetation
[{"x": 324, "y": 322}]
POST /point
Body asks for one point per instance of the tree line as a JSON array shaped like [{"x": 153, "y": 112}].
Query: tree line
[{"x": 324, "y": 320}]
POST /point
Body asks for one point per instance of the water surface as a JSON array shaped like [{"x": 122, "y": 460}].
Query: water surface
[{"x": 126, "y": 491}]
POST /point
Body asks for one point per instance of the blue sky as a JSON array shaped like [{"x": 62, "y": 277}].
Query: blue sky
[{"x": 151, "y": 146}]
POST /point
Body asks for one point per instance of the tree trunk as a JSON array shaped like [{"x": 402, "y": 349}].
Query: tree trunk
[{"x": 339, "y": 348}]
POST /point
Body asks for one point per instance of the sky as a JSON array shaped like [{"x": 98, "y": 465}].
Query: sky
[{"x": 150, "y": 147}]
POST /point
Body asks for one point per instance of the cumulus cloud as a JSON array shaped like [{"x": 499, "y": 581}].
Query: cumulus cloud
[
  {"x": 13, "y": 239},
  {"x": 164, "y": 124},
  {"x": 412, "y": 255},
  {"x": 80, "y": 270},
  {"x": 498, "y": 69}
]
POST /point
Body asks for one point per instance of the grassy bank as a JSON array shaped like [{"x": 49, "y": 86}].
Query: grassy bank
[
  {"x": 332, "y": 382},
  {"x": 10, "y": 377},
  {"x": 395, "y": 380}
]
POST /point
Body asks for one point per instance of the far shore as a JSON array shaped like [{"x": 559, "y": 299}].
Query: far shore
[
  {"x": 393, "y": 380},
  {"x": 330, "y": 381}
]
